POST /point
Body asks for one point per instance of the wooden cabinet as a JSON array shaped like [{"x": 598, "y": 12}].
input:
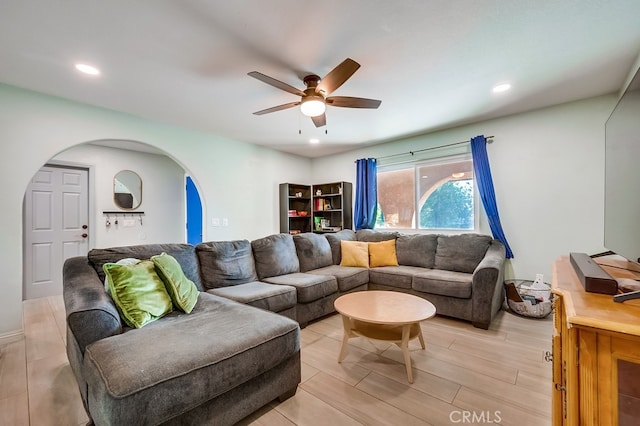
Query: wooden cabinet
[
  {"x": 332, "y": 207},
  {"x": 295, "y": 208},
  {"x": 596, "y": 353}
]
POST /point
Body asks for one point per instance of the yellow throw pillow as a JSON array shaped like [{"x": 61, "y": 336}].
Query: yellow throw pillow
[
  {"x": 383, "y": 254},
  {"x": 354, "y": 253}
]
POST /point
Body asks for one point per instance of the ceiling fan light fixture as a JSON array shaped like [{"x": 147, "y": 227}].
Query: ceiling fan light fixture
[{"x": 313, "y": 106}]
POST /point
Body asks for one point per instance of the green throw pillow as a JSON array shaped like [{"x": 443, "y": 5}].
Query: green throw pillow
[
  {"x": 138, "y": 292},
  {"x": 182, "y": 290}
]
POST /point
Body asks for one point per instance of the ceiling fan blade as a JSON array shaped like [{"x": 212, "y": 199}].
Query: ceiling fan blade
[
  {"x": 276, "y": 83},
  {"x": 320, "y": 120},
  {"x": 337, "y": 76},
  {"x": 277, "y": 108},
  {"x": 350, "y": 102}
]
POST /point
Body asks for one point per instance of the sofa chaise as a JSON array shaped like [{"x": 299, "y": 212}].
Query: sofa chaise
[{"x": 214, "y": 365}]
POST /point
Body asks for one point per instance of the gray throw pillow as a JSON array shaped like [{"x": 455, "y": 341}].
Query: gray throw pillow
[
  {"x": 226, "y": 263},
  {"x": 275, "y": 255},
  {"x": 313, "y": 251}
]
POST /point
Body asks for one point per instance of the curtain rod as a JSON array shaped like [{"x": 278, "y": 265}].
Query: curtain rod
[{"x": 488, "y": 138}]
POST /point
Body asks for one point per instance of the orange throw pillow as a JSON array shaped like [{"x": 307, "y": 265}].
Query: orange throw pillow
[{"x": 383, "y": 253}]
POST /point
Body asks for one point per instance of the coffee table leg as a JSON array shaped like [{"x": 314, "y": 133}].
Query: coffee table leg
[
  {"x": 346, "y": 323},
  {"x": 405, "y": 350},
  {"x": 420, "y": 337}
]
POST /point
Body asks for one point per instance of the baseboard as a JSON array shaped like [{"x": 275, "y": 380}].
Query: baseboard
[{"x": 12, "y": 336}]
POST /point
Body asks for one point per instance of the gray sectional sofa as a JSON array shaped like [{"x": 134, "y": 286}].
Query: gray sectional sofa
[{"x": 227, "y": 358}]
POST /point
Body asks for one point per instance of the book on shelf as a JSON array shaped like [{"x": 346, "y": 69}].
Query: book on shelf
[{"x": 321, "y": 204}]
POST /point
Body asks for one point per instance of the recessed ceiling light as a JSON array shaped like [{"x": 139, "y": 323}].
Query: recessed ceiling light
[
  {"x": 457, "y": 175},
  {"x": 87, "y": 69},
  {"x": 503, "y": 87},
  {"x": 314, "y": 140}
]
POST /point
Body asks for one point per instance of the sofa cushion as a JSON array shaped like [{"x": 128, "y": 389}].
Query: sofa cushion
[
  {"x": 138, "y": 292},
  {"x": 182, "y": 290},
  {"x": 274, "y": 298},
  {"x": 394, "y": 276},
  {"x": 275, "y": 255},
  {"x": 371, "y": 236},
  {"x": 461, "y": 253},
  {"x": 313, "y": 251},
  {"x": 354, "y": 253},
  {"x": 444, "y": 283},
  {"x": 309, "y": 287},
  {"x": 417, "y": 249},
  {"x": 383, "y": 253},
  {"x": 348, "y": 277},
  {"x": 201, "y": 356},
  {"x": 225, "y": 263},
  {"x": 184, "y": 253},
  {"x": 334, "y": 241}
]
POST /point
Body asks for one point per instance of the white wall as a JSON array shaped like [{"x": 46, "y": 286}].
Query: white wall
[
  {"x": 548, "y": 170},
  {"x": 236, "y": 180},
  {"x": 548, "y": 173},
  {"x": 163, "y": 195}
]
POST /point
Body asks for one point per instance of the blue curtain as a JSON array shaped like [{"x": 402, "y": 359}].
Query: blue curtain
[
  {"x": 485, "y": 187},
  {"x": 366, "y": 206}
]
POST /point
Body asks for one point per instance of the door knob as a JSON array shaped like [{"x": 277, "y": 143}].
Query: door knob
[
  {"x": 85, "y": 235},
  {"x": 84, "y": 226}
]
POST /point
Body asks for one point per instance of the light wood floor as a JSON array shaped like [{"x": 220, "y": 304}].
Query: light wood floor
[{"x": 497, "y": 375}]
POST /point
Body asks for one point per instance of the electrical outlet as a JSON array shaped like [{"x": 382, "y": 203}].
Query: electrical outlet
[
  {"x": 225, "y": 221},
  {"x": 215, "y": 221}
]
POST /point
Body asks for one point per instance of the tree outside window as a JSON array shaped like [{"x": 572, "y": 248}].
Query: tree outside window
[{"x": 442, "y": 192}]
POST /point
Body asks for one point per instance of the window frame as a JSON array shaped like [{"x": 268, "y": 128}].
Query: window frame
[{"x": 416, "y": 164}]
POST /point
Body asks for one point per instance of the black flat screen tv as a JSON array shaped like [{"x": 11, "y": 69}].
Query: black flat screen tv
[{"x": 622, "y": 175}]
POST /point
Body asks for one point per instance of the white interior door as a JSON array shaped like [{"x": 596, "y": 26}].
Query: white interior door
[{"x": 55, "y": 226}]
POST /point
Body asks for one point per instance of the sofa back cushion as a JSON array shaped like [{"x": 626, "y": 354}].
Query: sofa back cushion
[
  {"x": 226, "y": 263},
  {"x": 334, "y": 241},
  {"x": 461, "y": 253},
  {"x": 371, "y": 236},
  {"x": 417, "y": 250},
  {"x": 313, "y": 251},
  {"x": 275, "y": 255},
  {"x": 185, "y": 254}
]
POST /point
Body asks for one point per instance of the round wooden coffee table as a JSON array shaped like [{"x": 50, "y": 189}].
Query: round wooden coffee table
[{"x": 384, "y": 315}]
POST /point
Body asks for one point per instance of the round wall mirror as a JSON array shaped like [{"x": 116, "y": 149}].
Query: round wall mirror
[{"x": 127, "y": 190}]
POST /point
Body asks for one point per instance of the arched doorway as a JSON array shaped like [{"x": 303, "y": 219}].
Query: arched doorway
[
  {"x": 161, "y": 216},
  {"x": 194, "y": 213}
]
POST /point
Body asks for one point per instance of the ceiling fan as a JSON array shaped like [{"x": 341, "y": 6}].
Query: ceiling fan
[{"x": 313, "y": 100}]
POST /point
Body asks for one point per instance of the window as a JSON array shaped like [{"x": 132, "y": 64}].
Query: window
[{"x": 441, "y": 191}]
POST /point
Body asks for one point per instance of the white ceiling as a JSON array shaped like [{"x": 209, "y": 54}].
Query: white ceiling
[{"x": 432, "y": 63}]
